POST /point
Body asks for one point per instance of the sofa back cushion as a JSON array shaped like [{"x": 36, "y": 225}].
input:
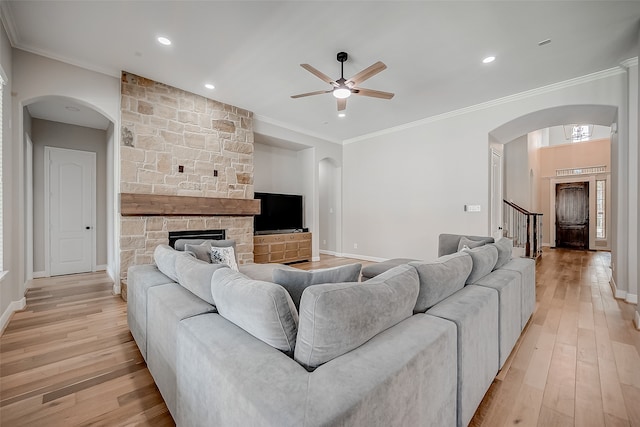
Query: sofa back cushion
[
  {"x": 195, "y": 276},
  {"x": 263, "y": 309},
  {"x": 448, "y": 243},
  {"x": 484, "y": 259},
  {"x": 337, "y": 318},
  {"x": 470, "y": 244},
  {"x": 505, "y": 249},
  {"x": 441, "y": 278},
  {"x": 296, "y": 281},
  {"x": 165, "y": 258}
]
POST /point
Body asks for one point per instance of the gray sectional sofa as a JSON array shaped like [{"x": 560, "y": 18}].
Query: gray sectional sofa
[{"x": 418, "y": 343}]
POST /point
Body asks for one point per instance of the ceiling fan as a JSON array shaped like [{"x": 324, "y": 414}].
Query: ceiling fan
[{"x": 342, "y": 89}]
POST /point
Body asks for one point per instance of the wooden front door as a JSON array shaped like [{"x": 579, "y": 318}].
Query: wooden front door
[{"x": 572, "y": 215}]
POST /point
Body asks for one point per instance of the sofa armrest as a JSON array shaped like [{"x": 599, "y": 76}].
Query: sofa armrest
[{"x": 405, "y": 375}]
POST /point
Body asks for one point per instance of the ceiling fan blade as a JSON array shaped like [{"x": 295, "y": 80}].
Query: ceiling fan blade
[
  {"x": 372, "y": 93},
  {"x": 367, "y": 73},
  {"x": 322, "y": 76},
  {"x": 318, "y": 92},
  {"x": 342, "y": 104}
]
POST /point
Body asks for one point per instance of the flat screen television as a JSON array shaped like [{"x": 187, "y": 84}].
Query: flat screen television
[{"x": 278, "y": 213}]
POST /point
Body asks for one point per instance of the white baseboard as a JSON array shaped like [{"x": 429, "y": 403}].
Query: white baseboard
[
  {"x": 116, "y": 288},
  {"x": 315, "y": 258},
  {"x": 102, "y": 267},
  {"x": 621, "y": 294},
  {"x": 637, "y": 321},
  {"x": 39, "y": 274},
  {"x": 363, "y": 257},
  {"x": 13, "y": 307},
  {"x": 332, "y": 253}
]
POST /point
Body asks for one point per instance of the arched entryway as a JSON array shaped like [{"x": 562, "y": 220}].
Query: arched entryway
[{"x": 57, "y": 132}]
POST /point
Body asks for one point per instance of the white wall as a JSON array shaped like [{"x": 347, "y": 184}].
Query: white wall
[
  {"x": 329, "y": 206},
  {"x": 405, "y": 186},
  {"x": 61, "y": 135},
  {"x": 36, "y": 77},
  {"x": 10, "y": 297},
  {"x": 313, "y": 151},
  {"x": 276, "y": 170},
  {"x": 516, "y": 172}
]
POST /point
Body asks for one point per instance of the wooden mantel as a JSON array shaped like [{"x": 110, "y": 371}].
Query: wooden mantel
[{"x": 132, "y": 204}]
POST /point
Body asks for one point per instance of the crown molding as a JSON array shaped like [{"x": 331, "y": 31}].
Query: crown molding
[
  {"x": 630, "y": 62},
  {"x": 495, "y": 102},
  {"x": 6, "y": 16}
]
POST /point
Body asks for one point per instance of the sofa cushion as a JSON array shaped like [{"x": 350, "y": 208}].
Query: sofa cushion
[
  {"x": 165, "y": 258},
  {"x": 224, "y": 255},
  {"x": 441, "y": 278},
  {"x": 448, "y": 243},
  {"x": 296, "y": 281},
  {"x": 180, "y": 244},
  {"x": 505, "y": 249},
  {"x": 201, "y": 251},
  {"x": 339, "y": 317},
  {"x": 195, "y": 276},
  {"x": 262, "y": 272},
  {"x": 484, "y": 259},
  {"x": 263, "y": 309},
  {"x": 469, "y": 244},
  {"x": 372, "y": 270}
]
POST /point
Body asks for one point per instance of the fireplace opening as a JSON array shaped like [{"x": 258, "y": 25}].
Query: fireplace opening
[{"x": 196, "y": 234}]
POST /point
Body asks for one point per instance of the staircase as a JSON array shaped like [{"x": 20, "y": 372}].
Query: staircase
[{"x": 524, "y": 228}]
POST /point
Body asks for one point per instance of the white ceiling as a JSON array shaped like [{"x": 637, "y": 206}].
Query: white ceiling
[
  {"x": 66, "y": 110},
  {"x": 251, "y": 50}
]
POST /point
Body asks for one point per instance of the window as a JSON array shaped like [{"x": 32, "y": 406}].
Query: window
[{"x": 600, "y": 207}]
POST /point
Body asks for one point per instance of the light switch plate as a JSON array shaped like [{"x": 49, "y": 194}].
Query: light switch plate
[{"x": 472, "y": 208}]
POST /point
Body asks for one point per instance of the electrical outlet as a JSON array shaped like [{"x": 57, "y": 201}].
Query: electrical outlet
[
  {"x": 355, "y": 246},
  {"x": 180, "y": 169},
  {"x": 472, "y": 208}
]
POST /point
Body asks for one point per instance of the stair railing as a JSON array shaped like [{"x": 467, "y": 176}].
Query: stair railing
[{"x": 524, "y": 228}]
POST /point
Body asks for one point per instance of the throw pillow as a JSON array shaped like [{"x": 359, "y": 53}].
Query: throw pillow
[
  {"x": 469, "y": 244},
  {"x": 505, "y": 249},
  {"x": 484, "y": 259},
  {"x": 263, "y": 309},
  {"x": 224, "y": 256},
  {"x": 180, "y": 244},
  {"x": 441, "y": 278},
  {"x": 225, "y": 244},
  {"x": 336, "y": 318},
  {"x": 165, "y": 258},
  {"x": 195, "y": 276},
  {"x": 201, "y": 251},
  {"x": 296, "y": 281}
]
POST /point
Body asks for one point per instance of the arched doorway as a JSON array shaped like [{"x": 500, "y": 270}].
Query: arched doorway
[{"x": 67, "y": 127}]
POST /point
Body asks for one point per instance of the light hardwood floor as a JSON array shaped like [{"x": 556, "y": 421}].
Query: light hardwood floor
[{"x": 69, "y": 359}]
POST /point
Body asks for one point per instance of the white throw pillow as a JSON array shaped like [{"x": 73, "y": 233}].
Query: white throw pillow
[{"x": 224, "y": 255}]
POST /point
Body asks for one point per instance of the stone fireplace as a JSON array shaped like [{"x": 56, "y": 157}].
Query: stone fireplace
[{"x": 180, "y": 149}]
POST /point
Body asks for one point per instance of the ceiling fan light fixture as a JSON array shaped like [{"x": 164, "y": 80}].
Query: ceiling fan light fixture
[{"x": 341, "y": 92}]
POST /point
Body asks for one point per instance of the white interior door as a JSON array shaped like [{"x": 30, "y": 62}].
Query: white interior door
[
  {"x": 71, "y": 180},
  {"x": 496, "y": 194}
]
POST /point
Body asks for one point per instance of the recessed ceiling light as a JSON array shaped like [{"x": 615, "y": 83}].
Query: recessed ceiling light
[
  {"x": 72, "y": 108},
  {"x": 209, "y": 86},
  {"x": 488, "y": 59},
  {"x": 342, "y": 115},
  {"x": 163, "y": 40}
]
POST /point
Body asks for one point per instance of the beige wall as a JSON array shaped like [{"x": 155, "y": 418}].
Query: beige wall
[
  {"x": 163, "y": 128},
  {"x": 577, "y": 155}
]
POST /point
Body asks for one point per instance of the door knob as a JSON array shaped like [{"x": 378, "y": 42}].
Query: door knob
[{"x": 87, "y": 228}]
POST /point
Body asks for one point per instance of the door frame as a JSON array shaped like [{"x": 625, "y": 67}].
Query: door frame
[
  {"x": 591, "y": 179},
  {"x": 47, "y": 200},
  {"x": 495, "y": 215},
  {"x": 28, "y": 202}
]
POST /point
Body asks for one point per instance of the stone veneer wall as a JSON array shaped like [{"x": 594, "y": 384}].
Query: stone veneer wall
[{"x": 163, "y": 128}]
